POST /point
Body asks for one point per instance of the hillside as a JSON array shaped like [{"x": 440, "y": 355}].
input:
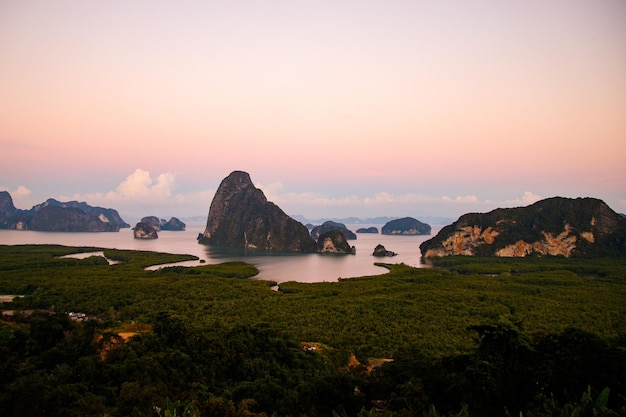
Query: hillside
[{"x": 581, "y": 227}]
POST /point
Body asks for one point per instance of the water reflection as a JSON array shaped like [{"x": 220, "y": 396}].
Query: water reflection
[
  {"x": 279, "y": 267},
  {"x": 282, "y": 267}
]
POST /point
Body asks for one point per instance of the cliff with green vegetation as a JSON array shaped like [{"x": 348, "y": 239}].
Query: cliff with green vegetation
[
  {"x": 405, "y": 226},
  {"x": 581, "y": 227},
  {"x": 240, "y": 216}
]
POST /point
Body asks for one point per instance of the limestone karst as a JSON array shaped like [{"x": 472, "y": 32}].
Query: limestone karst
[
  {"x": 240, "y": 216},
  {"x": 580, "y": 227},
  {"x": 405, "y": 226},
  {"x": 144, "y": 230},
  {"x": 329, "y": 225},
  {"x": 56, "y": 216}
]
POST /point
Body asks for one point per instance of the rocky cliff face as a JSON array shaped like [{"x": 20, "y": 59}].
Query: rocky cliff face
[
  {"x": 145, "y": 230},
  {"x": 6, "y": 204},
  {"x": 68, "y": 219},
  {"x": 7, "y": 211},
  {"x": 582, "y": 227},
  {"x": 55, "y": 216},
  {"x": 334, "y": 242},
  {"x": 173, "y": 224},
  {"x": 406, "y": 226},
  {"x": 106, "y": 215},
  {"x": 329, "y": 225},
  {"x": 153, "y": 221},
  {"x": 240, "y": 216},
  {"x": 380, "y": 251}
]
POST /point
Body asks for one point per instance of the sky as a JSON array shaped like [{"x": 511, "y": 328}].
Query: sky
[{"x": 335, "y": 108}]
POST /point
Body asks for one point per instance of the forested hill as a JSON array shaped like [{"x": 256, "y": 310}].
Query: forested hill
[
  {"x": 581, "y": 227},
  {"x": 472, "y": 337}
]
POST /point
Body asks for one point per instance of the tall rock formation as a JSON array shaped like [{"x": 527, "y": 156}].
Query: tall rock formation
[
  {"x": 11, "y": 217},
  {"x": 6, "y": 204},
  {"x": 153, "y": 221},
  {"x": 145, "y": 230},
  {"x": 240, "y": 216},
  {"x": 334, "y": 242},
  {"x": 581, "y": 227}
]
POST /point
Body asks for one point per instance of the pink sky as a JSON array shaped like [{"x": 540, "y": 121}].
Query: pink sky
[{"x": 358, "y": 108}]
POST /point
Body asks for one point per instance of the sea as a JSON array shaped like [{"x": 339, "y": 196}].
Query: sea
[{"x": 281, "y": 267}]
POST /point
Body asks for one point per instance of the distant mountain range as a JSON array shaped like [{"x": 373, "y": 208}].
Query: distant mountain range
[{"x": 371, "y": 220}]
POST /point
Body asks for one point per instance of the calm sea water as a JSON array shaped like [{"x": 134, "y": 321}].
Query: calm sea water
[{"x": 279, "y": 268}]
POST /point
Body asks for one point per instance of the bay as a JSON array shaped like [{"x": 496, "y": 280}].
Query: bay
[{"x": 273, "y": 267}]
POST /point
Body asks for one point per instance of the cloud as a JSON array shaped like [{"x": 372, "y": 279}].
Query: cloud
[
  {"x": 272, "y": 192},
  {"x": 527, "y": 199},
  {"x": 387, "y": 198},
  {"x": 141, "y": 194},
  {"x": 20, "y": 191},
  {"x": 140, "y": 184},
  {"x": 383, "y": 203},
  {"x": 622, "y": 203},
  {"x": 461, "y": 199},
  {"x": 21, "y": 196}
]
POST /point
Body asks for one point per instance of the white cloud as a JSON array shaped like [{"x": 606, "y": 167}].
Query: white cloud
[
  {"x": 21, "y": 196},
  {"x": 386, "y": 198},
  {"x": 526, "y": 199},
  {"x": 461, "y": 199},
  {"x": 21, "y": 192},
  {"x": 139, "y": 184},
  {"x": 383, "y": 203},
  {"x": 272, "y": 192},
  {"x": 314, "y": 199},
  {"x": 141, "y": 194}
]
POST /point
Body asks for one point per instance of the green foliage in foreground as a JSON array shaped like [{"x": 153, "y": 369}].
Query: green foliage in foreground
[
  {"x": 527, "y": 334},
  {"x": 369, "y": 316}
]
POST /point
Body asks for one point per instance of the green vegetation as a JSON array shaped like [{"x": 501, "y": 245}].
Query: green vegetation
[
  {"x": 473, "y": 336},
  {"x": 597, "y": 230}
]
